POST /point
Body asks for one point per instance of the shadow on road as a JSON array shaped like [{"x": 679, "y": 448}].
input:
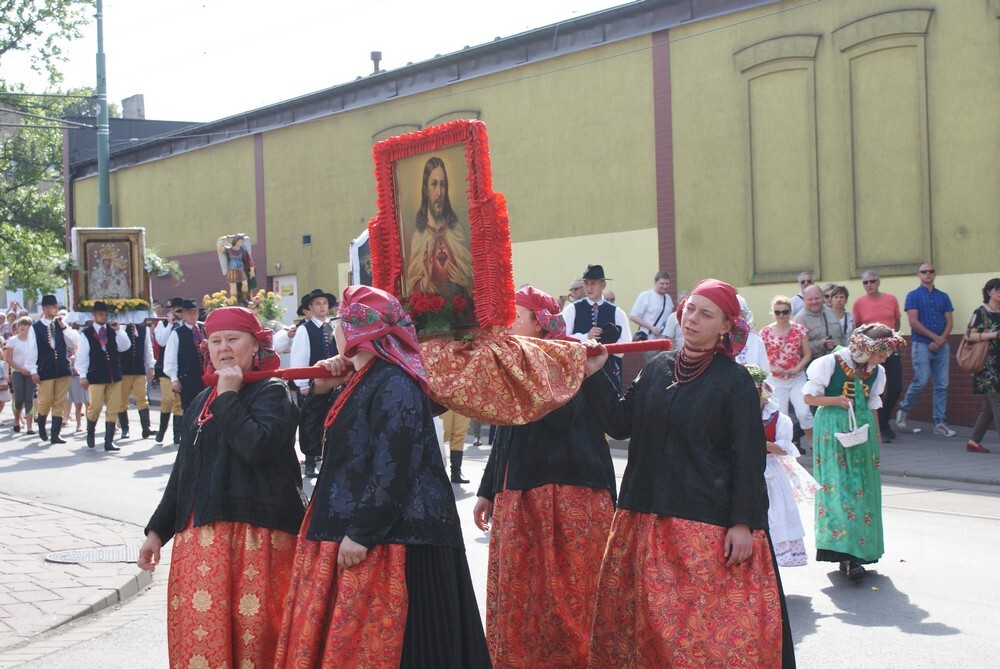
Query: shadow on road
[
  {"x": 802, "y": 616},
  {"x": 874, "y": 601}
]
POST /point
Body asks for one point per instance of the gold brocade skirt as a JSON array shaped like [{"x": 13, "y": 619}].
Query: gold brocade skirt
[{"x": 226, "y": 595}]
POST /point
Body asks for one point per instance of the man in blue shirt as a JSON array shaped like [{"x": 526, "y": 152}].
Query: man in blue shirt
[{"x": 929, "y": 312}]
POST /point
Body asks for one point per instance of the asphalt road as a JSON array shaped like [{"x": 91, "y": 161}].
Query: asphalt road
[{"x": 930, "y": 602}]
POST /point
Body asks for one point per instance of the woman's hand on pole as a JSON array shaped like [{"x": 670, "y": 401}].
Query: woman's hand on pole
[
  {"x": 230, "y": 379},
  {"x": 596, "y": 362},
  {"x": 340, "y": 369}
]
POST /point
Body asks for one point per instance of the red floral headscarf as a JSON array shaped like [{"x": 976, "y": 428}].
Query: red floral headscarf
[
  {"x": 374, "y": 321},
  {"x": 240, "y": 319},
  {"x": 723, "y": 296},
  {"x": 546, "y": 311}
]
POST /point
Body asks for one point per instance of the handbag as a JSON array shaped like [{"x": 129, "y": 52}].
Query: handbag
[
  {"x": 971, "y": 355},
  {"x": 855, "y": 435},
  {"x": 643, "y": 336}
]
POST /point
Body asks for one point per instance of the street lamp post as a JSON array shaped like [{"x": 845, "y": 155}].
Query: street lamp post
[{"x": 103, "y": 130}]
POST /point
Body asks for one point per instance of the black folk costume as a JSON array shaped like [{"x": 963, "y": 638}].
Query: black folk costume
[
  {"x": 410, "y": 602},
  {"x": 695, "y": 469},
  {"x": 136, "y": 362},
  {"x": 98, "y": 359},
  {"x": 52, "y": 365},
  {"x": 232, "y": 506},
  {"x": 553, "y": 489}
]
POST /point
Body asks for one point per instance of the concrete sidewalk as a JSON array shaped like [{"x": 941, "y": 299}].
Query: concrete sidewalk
[{"x": 36, "y": 595}]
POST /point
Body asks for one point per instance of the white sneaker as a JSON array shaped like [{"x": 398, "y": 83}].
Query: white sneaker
[
  {"x": 943, "y": 429},
  {"x": 901, "y": 419}
]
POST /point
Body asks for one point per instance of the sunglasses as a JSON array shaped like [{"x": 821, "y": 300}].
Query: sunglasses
[
  {"x": 828, "y": 296},
  {"x": 869, "y": 282},
  {"x": 927, "y": 271},
  {"x": 805, "y": 282},
  {"x": 782, "y": 312}
]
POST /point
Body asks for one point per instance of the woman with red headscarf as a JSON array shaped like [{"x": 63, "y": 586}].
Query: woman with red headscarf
[
  {"x": 550, "y": 488},
  {"x": 380, "y": 576},
  {"x": 689, "y": 576},
  {"x": 232, "y": 506}
]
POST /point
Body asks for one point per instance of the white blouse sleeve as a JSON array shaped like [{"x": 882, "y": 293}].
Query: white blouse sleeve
[
  {"x": 783, "y": 435},
  {"x": 819, "y": 372},
  {"x": 875, "y": 393}
]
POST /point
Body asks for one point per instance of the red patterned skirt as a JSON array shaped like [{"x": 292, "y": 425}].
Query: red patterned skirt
[
  {"x": 403, "y": 606},
  {"x": 226, "y": 594},
  {"x": 546, "y": 548},
  {"x": 667, "y": 599}
]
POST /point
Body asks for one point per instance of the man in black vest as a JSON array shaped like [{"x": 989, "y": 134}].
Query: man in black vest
[
  {"x": 170, "y": 403},
  {"x": 314, "y": 342},
  {"x": 50, "y": 367},
  {"x": 98, "y": 362},
  {"x": 593, "y": 317},
  {"x": 182, "y": 360},
  {"x": 137, "y": 368}
]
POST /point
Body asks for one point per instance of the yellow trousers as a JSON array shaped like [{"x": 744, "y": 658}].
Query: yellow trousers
[
  {"x": 52, "y": 395},
  {"x": 134, "y": 385},
  {"x": 456, "y": 426},
  {"x": 169, "y": 402},
  {"x": 106, "y": 395}
]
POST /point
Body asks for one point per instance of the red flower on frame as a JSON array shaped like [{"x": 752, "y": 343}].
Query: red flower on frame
[{"x": 459, "y": 303}]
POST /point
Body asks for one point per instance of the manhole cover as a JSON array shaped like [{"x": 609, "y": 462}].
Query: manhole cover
[{"x": 103, "y": 554}]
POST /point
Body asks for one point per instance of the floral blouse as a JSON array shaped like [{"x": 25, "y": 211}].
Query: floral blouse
[
  {"x": 784, "y": 351},
  {"x": 988, "y": 379}
]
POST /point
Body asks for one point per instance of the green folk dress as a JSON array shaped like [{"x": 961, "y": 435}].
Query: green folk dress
[{"x": 849, "y": 501}]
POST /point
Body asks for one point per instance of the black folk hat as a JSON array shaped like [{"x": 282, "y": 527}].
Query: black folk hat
[
  {"x": 187, "y": 305},
  {"x": 49, "y": 301},
  {"x": 594, "y": 273},
  {"x": 100, "y": 306},
  {"x": 319, "y": 292},
  {"x": 176, "y": 302}
]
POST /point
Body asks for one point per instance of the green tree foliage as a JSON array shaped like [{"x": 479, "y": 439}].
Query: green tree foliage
[{"x": 32, "y": 212}]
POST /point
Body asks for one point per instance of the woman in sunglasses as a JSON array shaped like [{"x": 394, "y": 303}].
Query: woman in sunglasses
[{"x": 787, "y": 345}]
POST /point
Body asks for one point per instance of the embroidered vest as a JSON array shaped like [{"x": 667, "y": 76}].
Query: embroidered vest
[
  {"x": 134, "y": 359},
  {"x": 584, "y": 319},
  {"x": 189, "y": 363},
  {"x": 320, "y": 348},
  {"x": 105, "y": 363},
  {"x": 53, "y": 361}
]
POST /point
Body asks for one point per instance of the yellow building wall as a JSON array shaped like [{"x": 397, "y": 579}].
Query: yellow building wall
[
  {"x": 838, "y": 136},
  {"x": 570, "y": 149},
  {"x": 185, "y": 202}
]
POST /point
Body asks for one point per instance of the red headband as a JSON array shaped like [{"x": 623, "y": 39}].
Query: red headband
[
  {"x": 241, "y": 319},
  {"x": 723, "y": 296}
]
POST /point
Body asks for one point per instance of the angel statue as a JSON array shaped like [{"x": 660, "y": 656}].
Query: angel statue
[{"x": 237, "y": 264}]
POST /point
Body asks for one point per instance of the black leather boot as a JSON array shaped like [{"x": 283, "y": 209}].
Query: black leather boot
[
  {"x": 123, "y": 421},
  {"x": 54, "y": 437},
  {"x": 162, "y": 432},
  {"x": 178, "y": 421},
  {"x": 456, "y": 467},
  {"x": 91, "y": 433},
  {"x": 43, "y": 434},
  {"x": 109, "y": 437},
  {"x": 144, "y": 422}
]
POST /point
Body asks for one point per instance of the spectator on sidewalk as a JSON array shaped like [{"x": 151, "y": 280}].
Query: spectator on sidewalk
[
  {"x": 787, "y": 346},
  {"x": 17, "y": 353},
  {"x": 232, "y": 505},
  {"x": 798, "y": 299},
  {"x": 825, "y": 333},
  {"x": 651, "y": 310},
  {"x": 929, "y": 312},
  {"x": 985, "y": 326},
  {"x": 672, "y": 329},
  {"x": 573, "y": 293},
  {"x": 838, "y": 303},
  {"x": 878, "y": 307},
  {"x": 754, "y": 352}
]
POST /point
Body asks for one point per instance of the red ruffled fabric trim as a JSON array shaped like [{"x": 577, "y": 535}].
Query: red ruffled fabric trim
[{"x": 493, "y": 275}]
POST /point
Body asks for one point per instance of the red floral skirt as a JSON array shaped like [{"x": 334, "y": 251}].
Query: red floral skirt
[
  {"x": 226, "y": 594},
  {"x": 546, "y": 549},
  {"x": 667, "y": 599},
  {"x": 345, "y": 618}
]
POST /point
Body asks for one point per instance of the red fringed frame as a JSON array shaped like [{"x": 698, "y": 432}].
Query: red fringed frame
[{"x": 493, "y": 276}]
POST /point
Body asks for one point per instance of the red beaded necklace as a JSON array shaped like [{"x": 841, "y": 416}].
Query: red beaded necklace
[{"x": 686, "y": 369}]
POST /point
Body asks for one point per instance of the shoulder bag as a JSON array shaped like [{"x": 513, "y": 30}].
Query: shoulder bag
[{"x": 971, "y": 355}]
